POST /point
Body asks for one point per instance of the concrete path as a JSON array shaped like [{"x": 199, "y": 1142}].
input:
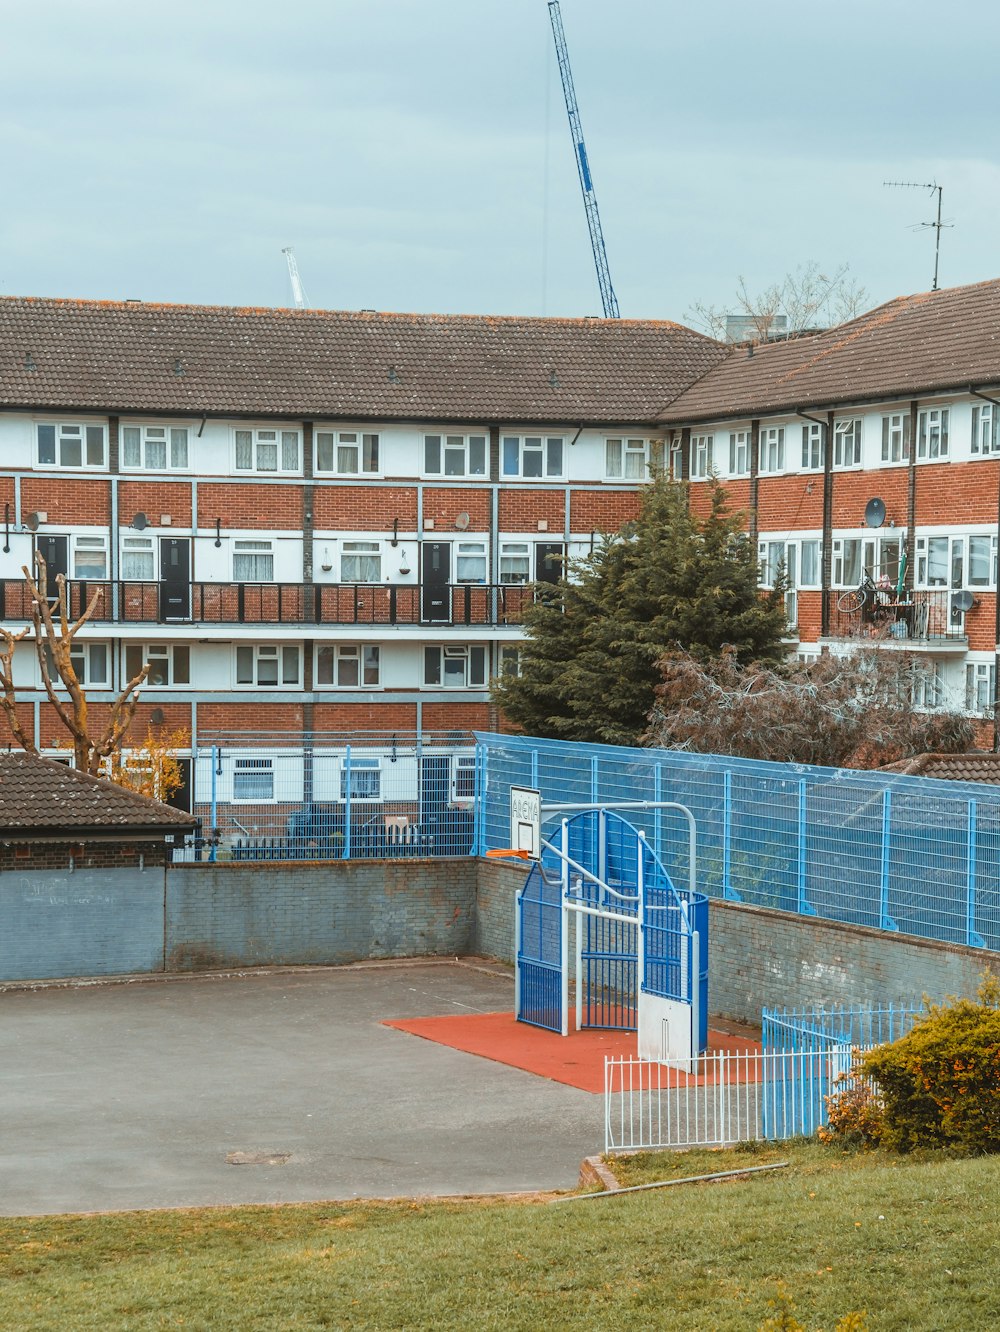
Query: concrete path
[{"x": 132, "y": 1096}]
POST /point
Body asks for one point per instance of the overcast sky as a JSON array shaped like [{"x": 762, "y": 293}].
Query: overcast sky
[{"x": 416, "y": 153}]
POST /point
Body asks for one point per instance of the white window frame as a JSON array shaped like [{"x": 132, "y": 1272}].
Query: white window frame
[
  {"x": 366, "y": 444},
  {"x": 739, "y": 453},
  {"x": 932, "y": 434},
  {"x": 365, "y": 556},
  {"x": 812, "y": 446},
  {"x": 848, "y": 438},
  {"x": 463, "y": 792},
  {"x": 701, "y": 456},
  {"x": 83, "y": 656},
  {"x": 927, "y": 692},
  {"x": 771, "y": 450},
  {"x": 631, "y": 458},
  {"x": 132, "y": 547},
  {"x": 980, "y": 688},
  {"x": 475, "y": 669},
  {"x": 263, "y": 654},
  {"x": 956, "y": 553},
  {"x": 69, "y": 432},
  {"x": 156, "y": 653},
  {"x": 530, "y": 445},
  {"x": 149, "y": 437},
  {"x": 261, "y": 439},
  {"x": 247, "y": 768},
  {"x": 896, "y": 437},
  {"x": 469, "y": 551},
  {"x": 258, "y": 551},
  {"x": 367, "y": 657},
  {"x": 361, "y": 767},
  {"x": 461, "y": 445},
  {"x": 871, "y": 553},
  {"x": 79, "y": 547},
  {"x": 985, "y": 417},
  {"x": 511, "y": 551},
  {"x": 508, "y": 660}
]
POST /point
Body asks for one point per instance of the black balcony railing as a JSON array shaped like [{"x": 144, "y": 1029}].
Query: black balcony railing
[
  {"x": 913, "y": 618},
  {"x": 120, "y": 603}
]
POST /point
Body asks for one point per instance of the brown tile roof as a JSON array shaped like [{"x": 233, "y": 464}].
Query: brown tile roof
[
  {"x": 978, "y": 766},
  {"x": 913, "y": 345},
  {"x": 39, "y": 797},
  {"x": 122, "y": 356}
]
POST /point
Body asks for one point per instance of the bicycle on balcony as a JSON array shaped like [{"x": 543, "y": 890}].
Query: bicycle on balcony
[{"x": 878, "y": 603}]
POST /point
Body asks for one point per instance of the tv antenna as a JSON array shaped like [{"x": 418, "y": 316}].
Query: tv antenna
[{"x": 932, "y": 186}]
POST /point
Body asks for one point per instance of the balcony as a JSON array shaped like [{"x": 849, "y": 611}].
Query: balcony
[
  {"x": 916, "y": 620},
  {"x": 130, "y": 603}
]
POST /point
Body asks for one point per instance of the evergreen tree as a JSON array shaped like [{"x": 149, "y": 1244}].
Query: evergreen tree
[{"x": 589, "y": 664}]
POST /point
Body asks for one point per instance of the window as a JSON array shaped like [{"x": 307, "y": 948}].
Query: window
[
  {"x": 932, "y": 433},
  {"x": 853, "y": 556},
  {"x": 739, "y": 453},
  {"x": 984, "y": 428},
  {"x": 676, "y": 470},
  {"x": 89, "y": 661},
  {"x": 253, "y": 562},
  {"x": 70, "y": 445},
  {"x": 809, "y": 564},
  {"x": 847, "y": 443},
  {"x": 253, "y": 779},
  {"x": 464, "y": 785},
  {"x": 470, "y": 562},
  {"x": 347, "y": 665},
  {"x": 896, "y": 437},
  {"x": 982, "y": 561},
  {"x": 701, "y": 456},
  {"x": 631, "y": 459},
  {"x": 455, "y": 455},
  {"x": 360, "y": 562},
  {"x": 346, "y": 452},
  {"x": 90, "y": 557},
  {"x": 927, "y": 686},
  {"x": 957, "y": 561},
  {"x": 168, "y": 664},
  {"x": 980, "y": 687},
  {"x": 266, "y": 666},
  {"x": 137, "y": 559},
  {"x": 154, "y": 448},
  {"x": 267, "y": 450},
  {"x": 785, "y": 558},
  {"x": 532, "y": 455},
  {"x": 455, "y": 667},
  {"x": 515, "y": 562},
  {"x": 772, "y": 449},
  {"x": 361, "y": 778},
  {"x": 812, "y": 447},
  {"x": 509, "y": 660}
]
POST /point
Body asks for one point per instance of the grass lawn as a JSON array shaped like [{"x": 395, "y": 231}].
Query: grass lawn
[{"x": 916, "y": 1244}]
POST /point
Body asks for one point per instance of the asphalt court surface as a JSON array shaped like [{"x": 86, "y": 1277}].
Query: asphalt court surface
[{"x": 133, "y": 1095}]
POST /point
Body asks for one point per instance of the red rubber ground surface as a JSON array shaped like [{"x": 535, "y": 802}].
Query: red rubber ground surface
[{"x": 576, "y": 1060}]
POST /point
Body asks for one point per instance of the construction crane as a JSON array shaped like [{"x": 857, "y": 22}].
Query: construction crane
[
  {"x": 608, "y": 298},
  {"x": 298, "y": 295}
]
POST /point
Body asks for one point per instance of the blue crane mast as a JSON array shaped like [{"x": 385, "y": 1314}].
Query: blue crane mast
[{"x": 608, "y": 298}]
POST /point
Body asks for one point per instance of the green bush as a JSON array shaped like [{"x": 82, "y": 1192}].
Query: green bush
[
  {"x": 940, "y": 1084},
  {"x": 855, "y": 1114}
]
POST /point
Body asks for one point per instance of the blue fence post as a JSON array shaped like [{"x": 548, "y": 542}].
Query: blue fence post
[
  {"x": 728, "y": 891},
  {"x": 805, "y": 906},
  {"x": 216, "y": 769},
  {"x": 886, "y": 920},
  {"x": 972, "y": 936},
  {"x": 347, "y": 804}
]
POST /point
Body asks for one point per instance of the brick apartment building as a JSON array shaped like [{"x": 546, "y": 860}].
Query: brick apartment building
[{"x": 325, "y": 525}]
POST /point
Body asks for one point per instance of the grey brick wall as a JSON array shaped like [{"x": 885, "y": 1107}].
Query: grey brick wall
[
  {"x": 497, "y": 886},
  {"x": 91, "y": 922},
  {"x": 268, "y": 914}
]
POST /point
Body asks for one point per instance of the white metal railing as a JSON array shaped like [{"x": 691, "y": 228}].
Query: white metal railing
[{"x": 727, "y": 1097}]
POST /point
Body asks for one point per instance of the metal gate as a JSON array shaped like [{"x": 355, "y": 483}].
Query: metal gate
[{"x": 539, "y": 951}]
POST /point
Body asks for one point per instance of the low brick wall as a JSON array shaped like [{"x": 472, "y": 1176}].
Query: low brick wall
[{"x": 272, "y": 913}]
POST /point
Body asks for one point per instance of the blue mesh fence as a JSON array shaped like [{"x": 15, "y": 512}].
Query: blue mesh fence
[{"x": 868, "y": 848}]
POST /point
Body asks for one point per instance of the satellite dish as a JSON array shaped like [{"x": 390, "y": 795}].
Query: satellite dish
[
  {"x": 875, "y": 513},
  {"x": 462, "y": 522},
  {"x": 962, "y": 602},
  {"x": 140, "y": 522},
  {"x": 32, "y": 522}
]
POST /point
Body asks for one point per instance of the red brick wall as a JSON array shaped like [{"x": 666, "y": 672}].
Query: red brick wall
[
  {"x": 250, "y": 715},
  {"x": 154, "y": 498},
  {"x": 521, "y": 509},
  {"x": 85, "y": 855},
  {"x": 980, "y": 624},
  {"x": 82, "y": 501},
  {"x": 240, "y": 504},
  {"x": 789, "y": 503},
  {"x": 364, "y": 508},
  {"x": 602, "y": 510},
  {"x": 962, "y": 493},
  {"x": 456, "y": 716},
  {"x": 373, "y": 716},
  {"x": 444, "y": 506},
  {"x": 853, "y": 490},
  {"x": 810, "y": 616}
]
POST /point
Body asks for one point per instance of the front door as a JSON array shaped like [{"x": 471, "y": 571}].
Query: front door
[
  {"x": 549, "y": 561},
  {"x": 175, "y": 578},
  {"x": 54, "y": 550},
  {"x": 435, "y": 597}
]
